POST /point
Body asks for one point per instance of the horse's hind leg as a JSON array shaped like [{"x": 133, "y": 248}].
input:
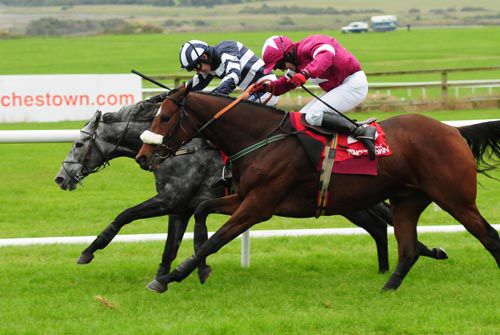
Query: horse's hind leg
[
  {"x": 382, "y": 211},
  {"x": 406, "y": 211},
  {"x": 376, "y": 226},
  {"x": 375, "y": 220},
  {"x": 475, "y": 224}
]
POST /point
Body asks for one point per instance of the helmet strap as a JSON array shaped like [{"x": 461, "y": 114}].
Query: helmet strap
[
  {"x": 287, "y": 57},
  {"x": 198, "y": 56}
]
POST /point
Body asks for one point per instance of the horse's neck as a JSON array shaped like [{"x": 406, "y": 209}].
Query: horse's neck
[
  {"x": 241, "y": 126},
  {"x": 118, "y": 142}
]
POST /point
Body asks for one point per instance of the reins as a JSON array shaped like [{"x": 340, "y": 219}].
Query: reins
[
  {"x": 268, "y": 140},
  {"x": 183, "y": 112},
  {"x": 243, "y": 96}
]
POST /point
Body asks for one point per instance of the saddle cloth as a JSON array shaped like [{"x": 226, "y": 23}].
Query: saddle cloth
[{"x": 351, "y": 156}]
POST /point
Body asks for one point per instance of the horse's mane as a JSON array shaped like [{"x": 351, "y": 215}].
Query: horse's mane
[
  {"x": 142, "y": 111},
  {"x": 256, "y": 104}
]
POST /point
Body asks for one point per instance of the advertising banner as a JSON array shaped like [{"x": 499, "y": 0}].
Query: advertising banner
[{"x": 34, "y": 98}]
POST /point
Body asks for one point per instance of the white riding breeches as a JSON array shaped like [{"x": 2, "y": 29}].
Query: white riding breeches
[{"x": 344, "y": 98}]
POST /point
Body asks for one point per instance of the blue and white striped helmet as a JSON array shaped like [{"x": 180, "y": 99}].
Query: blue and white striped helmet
[{"x": 191, "y": 52}]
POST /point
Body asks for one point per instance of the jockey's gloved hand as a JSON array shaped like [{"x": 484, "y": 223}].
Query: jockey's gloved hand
[
  {"x": 298, "y": 79},
  {"x": 260, "y": 88}
]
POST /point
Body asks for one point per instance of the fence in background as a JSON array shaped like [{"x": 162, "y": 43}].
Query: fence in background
[{"x": 376, "y": 88}]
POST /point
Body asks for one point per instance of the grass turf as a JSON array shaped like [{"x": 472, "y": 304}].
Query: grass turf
[{"x": 313, "y": 285}]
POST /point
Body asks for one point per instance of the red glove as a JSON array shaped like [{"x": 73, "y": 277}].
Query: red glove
[
  {"x": 260, "y": 88},
  {"x": 298, "y": 79}
]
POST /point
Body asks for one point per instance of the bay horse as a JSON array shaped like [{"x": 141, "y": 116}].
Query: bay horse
[
  {"x": 182, "y": 182},
  {"x": 430, "y": 161}
]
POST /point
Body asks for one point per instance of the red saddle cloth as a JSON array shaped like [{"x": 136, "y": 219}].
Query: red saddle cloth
[{"x": 351, "y": 156}]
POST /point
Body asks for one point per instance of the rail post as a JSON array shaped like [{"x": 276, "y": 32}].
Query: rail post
[{"x": 444, "y": 88}]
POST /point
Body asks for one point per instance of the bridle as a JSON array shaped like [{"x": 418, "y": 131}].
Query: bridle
[
  {"x": 172, "y": 149},
  {"x": 92, "y": 134}
]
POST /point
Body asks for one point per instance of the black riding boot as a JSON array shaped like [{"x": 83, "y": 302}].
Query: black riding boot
[{"x": 365, "y": 135}]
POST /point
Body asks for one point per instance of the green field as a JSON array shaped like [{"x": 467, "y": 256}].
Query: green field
[
  {"x": 311, "y": 285},
  {"x": 158, "y": 54}
]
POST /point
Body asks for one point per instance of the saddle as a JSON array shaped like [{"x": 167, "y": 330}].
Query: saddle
[{"x": 350, "y": 155}]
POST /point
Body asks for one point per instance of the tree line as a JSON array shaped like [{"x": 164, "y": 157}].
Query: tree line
[{"x": 168, "y": 3}]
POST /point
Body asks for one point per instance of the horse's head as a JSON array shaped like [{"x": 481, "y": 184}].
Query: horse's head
[
  {"x": 105, "y": 137},
  {"x": 169, "y": 130}
]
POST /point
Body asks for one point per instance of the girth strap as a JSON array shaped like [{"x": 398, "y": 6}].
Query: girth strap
[
  {"x": 326, "y": 172},
  {"x": 256, "y": 146}
]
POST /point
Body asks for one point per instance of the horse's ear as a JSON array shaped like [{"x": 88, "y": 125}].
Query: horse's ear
[{"x": 111, "y": 117}]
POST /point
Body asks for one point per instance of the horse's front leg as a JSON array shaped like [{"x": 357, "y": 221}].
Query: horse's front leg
[
  {"x": 225, "y": 205},
  {"x": 253, "y": 209},
  {"x": 176, "y": 228},
  {"x": 153, "y": 207}
]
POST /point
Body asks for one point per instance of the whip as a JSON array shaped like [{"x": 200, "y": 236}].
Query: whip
[{"x": 151, "y": 80}]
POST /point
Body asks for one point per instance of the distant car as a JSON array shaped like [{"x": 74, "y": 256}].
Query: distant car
[
  {"x": 355, "y": 27},
  {"x": 384, "y": 22}
]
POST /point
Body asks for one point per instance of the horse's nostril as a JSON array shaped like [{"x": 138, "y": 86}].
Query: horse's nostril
[
  {"x": 142, "y": 161},
  {"x": 59, "y": 180}
]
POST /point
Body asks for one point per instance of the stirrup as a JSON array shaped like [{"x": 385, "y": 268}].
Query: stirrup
[{"x": 362, "y": 132}]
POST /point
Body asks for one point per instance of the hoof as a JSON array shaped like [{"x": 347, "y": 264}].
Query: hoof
[
  {"x": 440, "y": 253},
  {"x": 204, "y": 273},
  {"x": 85, "y": 258},
  {"x": 386, "y": 289},
  {"x": 156, "y": 286}
]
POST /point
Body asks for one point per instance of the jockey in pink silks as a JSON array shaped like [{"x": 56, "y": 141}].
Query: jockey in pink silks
[{"x": 320, "y": 60}]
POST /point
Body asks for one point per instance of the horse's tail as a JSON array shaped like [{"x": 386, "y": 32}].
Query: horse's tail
[{"x": 484, "y": 141}]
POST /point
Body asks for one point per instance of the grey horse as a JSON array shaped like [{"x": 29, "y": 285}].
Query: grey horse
[{"x": 182, "y": 182}]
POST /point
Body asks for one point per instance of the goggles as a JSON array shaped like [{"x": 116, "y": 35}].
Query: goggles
[
  {"x": 280, "y": 65},
  {"x": 196, "y": 66}
]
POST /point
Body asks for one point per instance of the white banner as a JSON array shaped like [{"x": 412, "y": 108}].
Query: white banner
[{"x": 27, "y": 98}]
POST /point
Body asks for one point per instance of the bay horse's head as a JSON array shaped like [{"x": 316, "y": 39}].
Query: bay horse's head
[{"x": 169, "y": 130}]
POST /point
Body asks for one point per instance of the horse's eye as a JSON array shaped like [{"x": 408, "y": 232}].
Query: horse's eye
[
  {"x": 78, "y": 144},
  {"x": 164, "y": 118}
]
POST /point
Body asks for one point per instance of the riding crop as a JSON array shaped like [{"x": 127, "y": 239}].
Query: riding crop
[
  {"x": 150, "y": 80},
  {"x": 328, "y": 105}
]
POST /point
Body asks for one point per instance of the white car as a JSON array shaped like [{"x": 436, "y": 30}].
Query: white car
[{"x": 355, "y": 27}]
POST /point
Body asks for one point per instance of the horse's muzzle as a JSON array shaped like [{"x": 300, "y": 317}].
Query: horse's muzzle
[
  {"x": 142, "y": 160},
  {"x": 65, "y": 183}
]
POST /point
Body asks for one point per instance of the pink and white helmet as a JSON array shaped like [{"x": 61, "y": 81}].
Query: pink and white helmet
[{"x": 274, "y": 50}]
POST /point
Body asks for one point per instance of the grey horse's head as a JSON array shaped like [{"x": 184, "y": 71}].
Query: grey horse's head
[{"x": 104, "y": 137}]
